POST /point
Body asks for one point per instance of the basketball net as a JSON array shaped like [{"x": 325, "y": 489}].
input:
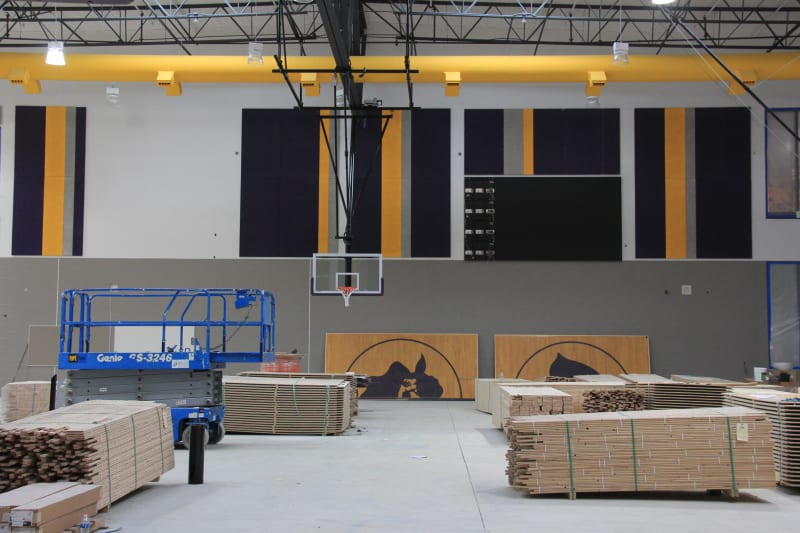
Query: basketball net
[{"x": 346, "y": 292}]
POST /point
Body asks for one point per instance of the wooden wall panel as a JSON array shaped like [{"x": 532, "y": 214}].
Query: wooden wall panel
[
  {"x": 406, "y": 365},
  {"x": 535, "y": 356}
]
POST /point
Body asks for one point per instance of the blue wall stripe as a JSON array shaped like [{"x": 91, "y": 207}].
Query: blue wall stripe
[
  {"x": 722, "y": 166},
  {"x": 483, "y": 141},
  {"x": 279, "y": 183},
  {"x": 651, "y": 240},
  {"x": 80, "y": 181},
  {"x": 26, "y": 233},
  {"x": 576, "y": 141},
  {"x": 430, "y": 183},
  {"x": 367, "y": 186}
]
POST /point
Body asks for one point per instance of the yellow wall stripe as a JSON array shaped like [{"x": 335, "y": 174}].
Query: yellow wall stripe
[
  {"x": 324, "y": 189},
  {"x": 392, "y": 187},
  {"x": 675, "y": 181},
  {"x": 527, "y": 141},
  {"x": 55, "y": 139}
]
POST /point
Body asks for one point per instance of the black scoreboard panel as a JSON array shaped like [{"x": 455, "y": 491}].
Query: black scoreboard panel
[{"x": 543, "y": 218}]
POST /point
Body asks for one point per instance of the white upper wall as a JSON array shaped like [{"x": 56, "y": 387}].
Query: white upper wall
[{"x": 162, "y": 173}]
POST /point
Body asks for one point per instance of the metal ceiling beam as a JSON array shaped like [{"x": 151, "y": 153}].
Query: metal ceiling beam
[{"x": 343, "y": 29}]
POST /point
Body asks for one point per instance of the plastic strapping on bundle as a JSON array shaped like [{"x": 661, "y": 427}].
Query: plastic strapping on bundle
[
  {"x": 325, "y": 414},
  {"x": 730, "y": 450},
  {"x": 108, "y": 465},
  {"x": 135, "y": 455},
  {"x": 294, "y": 396},
  {"x": 569, "y": 456},
  {"x": 633, "y": 448},
  {"x": 783, "y": 439},
  {"x": 159, "y": 415}
]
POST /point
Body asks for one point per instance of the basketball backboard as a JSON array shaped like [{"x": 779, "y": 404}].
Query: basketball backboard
[{"x": 347, "y": 274}]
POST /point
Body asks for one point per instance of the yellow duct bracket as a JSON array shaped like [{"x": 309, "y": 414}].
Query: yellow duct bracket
[
  {"x": 309, "y": 83},
  {"x": 452, "y": 83},
  {"x": 595, "y": 82},
  {"x": 166, "y": 79},
  {"x": 747, "y": 76},
  {"x": 23, "y": 77}
]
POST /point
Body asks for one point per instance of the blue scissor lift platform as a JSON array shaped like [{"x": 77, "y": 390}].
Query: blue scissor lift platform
[{"x": 194, "y": 331}]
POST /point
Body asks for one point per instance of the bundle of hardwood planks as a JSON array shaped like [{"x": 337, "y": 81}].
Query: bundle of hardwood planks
[
  {"x": 783, "y": 409},
  {"x": 664, "y": 393},
  {"x": 281, "y": 406},
  {"x": 603, "y": 401},
  {"x": 24, "y": 398},
  {"x": 728, "y": 448},
  {"x": 119, "y": 445},
  {"x": 526, "y": 401},
  {"x": 349, "y": 377}
]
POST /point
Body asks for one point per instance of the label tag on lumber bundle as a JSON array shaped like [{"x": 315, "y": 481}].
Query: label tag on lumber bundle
[{"x": 741, "y": 432}]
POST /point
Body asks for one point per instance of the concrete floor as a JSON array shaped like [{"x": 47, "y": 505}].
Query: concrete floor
[{"x": 410, "y": 466}]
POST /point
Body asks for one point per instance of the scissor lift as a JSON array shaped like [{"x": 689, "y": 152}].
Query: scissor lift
[{"x": 186, "y": 375}]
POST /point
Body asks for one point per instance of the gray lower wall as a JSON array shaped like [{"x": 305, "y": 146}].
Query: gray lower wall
[{"x": 720, "y": 330}]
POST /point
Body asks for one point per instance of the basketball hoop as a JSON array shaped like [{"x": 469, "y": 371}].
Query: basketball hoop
[{"x": 346, "y": 292}]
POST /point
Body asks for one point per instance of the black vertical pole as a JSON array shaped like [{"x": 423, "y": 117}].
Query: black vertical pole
[
  {"x": 196, "y": 452},
  {"x": 53, "y": 385}
]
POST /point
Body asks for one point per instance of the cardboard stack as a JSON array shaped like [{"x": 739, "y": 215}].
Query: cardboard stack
[
  {"x": 783, "y": 409},
  {"x": 688, "y": 449},
  {"x": 280, "y": 406},
  {"x": 118, "y": 445},
  {"x": 24, "y": 398},
  {"x": 526, "y": 401},
  {"x": 349, "y": 377},
  {"x": 47, "y": 507}
]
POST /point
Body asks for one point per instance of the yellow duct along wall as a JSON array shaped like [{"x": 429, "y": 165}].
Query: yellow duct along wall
[{"x": 431, "y": 69}]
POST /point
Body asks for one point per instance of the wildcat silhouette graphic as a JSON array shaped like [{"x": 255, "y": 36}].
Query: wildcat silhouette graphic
[
  {"x": 567, "y": 368},
  {"x": 400, "y": 382}
]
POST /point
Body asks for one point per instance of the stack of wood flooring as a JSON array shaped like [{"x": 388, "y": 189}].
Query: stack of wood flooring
[
  {"x": 119, "y": 445},
  {"x": 664, "y": 393},
  {"x": 559, "y": 379},
  {"x": 527, "y": 401},
  {"x": 349, "y": 377},
  {"x": 729, "y": 448},
  {"x": 603, "y": 401},
  {"x": 602, "y": 378},
  {"x": 783, "y": 410},
  {"x": 280, "y": 406},
  {"x": 483, "y": 392},
  {"x": 24, "y": 398}
]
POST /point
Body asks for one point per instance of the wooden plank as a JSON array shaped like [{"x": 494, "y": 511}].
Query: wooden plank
[
  {"x": 119, "y": 445},
  {"x": 536, "y": 356},
  {"x": 24, "y": 398},
  {"x": 483, "y": 392},
  {"x": 407, "y": 365},
  {"x": 286, "y": 406},
  {"x": 691, "y": 449}
]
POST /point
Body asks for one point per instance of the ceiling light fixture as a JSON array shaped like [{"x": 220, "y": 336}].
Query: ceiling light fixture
[
  {"x": 662, "y": 2},
  {"x": 255, "y": 53},
  {"x": 55, "y": 53},
  {"x": 620, "y": 51}
]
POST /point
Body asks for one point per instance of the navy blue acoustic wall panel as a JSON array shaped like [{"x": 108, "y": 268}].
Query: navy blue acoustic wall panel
[
  {"x": 367, "y": 188},
  {"x": 576, "y": 141},
  {"x": 483, "y": 141},
  {"x": 430, "y": 183},
  {"x": 280, "y": 183},
  {"x": 722, "y": 165}
]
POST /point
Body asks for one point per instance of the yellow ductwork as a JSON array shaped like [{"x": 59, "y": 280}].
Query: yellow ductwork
[{"x": 425, "y": 69}]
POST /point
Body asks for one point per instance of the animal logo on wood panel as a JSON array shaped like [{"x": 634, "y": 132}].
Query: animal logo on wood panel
[
  {"x": 568, "y": 359},
  {"x": 389, "y": 364}
]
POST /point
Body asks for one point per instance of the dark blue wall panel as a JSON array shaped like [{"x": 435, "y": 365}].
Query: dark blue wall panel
[
  {"x": 26, "y": 233},
  {"x": 483, "y": 141},
  {"x": 279, "y": 183},
  {"x": 367, "y": 213},
  {"x": 650, "y": 194},
  {"x": 430, "y": 183},
  {"x": 722, "y": 167},
  {"x": 576, "y": 141}
]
